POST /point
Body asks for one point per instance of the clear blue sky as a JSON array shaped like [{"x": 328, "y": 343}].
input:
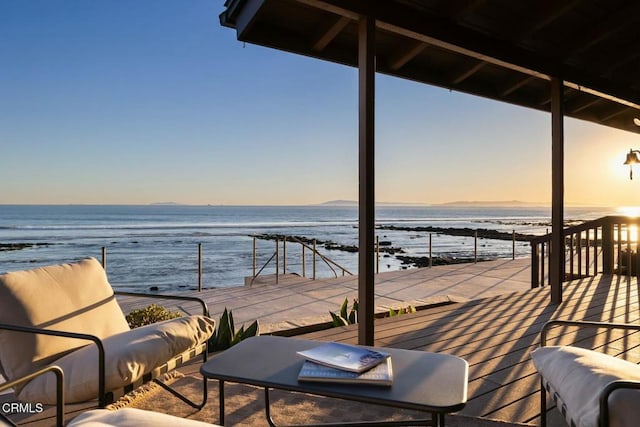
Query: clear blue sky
[{"x": 108, "y": 101}]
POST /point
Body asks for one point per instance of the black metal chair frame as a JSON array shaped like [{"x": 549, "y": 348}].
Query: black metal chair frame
[
  {"x": 603, "y": 420},
  {"x": 59, "y": 391},
  {"x": 103, "y": 399}
]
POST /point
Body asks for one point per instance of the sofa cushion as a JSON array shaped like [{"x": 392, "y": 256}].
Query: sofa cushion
[
  {"x": 74, "y": 297},
  {"x": 131, "y": 417},
  {"x": 129, "y": 355},
  {"x": 579, "y": 375}
]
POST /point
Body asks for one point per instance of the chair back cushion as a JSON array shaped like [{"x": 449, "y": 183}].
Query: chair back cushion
[
  {"x": 75, "y": 297},
  {"x": 579, "y": 375},
  {"x": 129, "y": 355}
]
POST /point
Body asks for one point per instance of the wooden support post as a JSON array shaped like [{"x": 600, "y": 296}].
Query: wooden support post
[
  {"x": 104, "y": 257},
  {"x": 199, "y": 267},
  {"x": 535, "y": 269},
  {"x": 366, "y": 204},
  {"x": 556, "y": 251}
]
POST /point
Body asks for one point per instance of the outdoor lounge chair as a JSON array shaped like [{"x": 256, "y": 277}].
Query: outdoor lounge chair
[
  {"x": 68, "y": 315},
  {"x": 590, "y": 388},
  {"x": 100, "y": 417}
]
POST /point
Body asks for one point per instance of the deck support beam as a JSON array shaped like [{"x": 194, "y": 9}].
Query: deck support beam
[
  {"x": 366, "y": 204},
  {"x": 556, "y": 252}
]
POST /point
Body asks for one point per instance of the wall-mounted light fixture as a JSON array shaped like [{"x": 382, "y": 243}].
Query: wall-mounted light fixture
[{"x": 632, "y": 155}]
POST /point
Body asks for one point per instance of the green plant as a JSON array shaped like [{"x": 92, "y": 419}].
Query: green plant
[
  {"x": 151, "y": 314},
  {"x": 401, "y": 310},
  {"x": 225, "y": 334},
  {"x": 346, "y": 316}
]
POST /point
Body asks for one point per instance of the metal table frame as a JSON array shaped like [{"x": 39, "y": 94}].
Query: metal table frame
[{"x": 433, "y": 383}]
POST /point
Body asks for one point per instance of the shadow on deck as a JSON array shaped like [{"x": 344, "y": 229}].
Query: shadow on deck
[{"x": 496, "y": 336}]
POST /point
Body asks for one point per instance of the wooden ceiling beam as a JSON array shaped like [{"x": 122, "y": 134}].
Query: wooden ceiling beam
[
  {"x": 543, "y": 15},
  {"x": 514, "y": 87},
  {"x": 402, "y": 58},
  {"x": 614, "y": 114},
  {"x": 468, "y": 73},
  {"x": 327, "y": 36},
  {"x": 581, "y": 106}
]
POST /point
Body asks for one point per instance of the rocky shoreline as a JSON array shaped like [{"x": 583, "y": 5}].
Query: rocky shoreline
[
  {"x": 406, "y": 261},
  {"x": 483, "y": 233},
  {"x": 5, "y": 247}
]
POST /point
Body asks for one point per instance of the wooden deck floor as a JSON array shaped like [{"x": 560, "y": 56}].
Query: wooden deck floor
[{"x": 496, "y": 335}]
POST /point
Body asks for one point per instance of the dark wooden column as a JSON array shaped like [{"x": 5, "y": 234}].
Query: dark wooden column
[
  {"x": 556, "y": 252},
  {"x": 366, "y": 204}
]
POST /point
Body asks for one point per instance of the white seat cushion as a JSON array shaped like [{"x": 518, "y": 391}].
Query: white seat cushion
[
  {"x": 579, "y": 375},
  {"x": 129, "y": 355},
  {"x": 131, "y": 417},
  {"x": 72, "y": 297}
]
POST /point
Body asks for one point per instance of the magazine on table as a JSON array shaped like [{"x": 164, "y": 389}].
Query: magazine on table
[
  {"x": 381, "y": 374},
  {"x": 344, "y": 356}
]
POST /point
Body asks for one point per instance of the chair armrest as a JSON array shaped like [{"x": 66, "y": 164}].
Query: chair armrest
[
  {"x": 583, "y": 324},
  {"x": 59, "y": 391},
  {"x": 205, "y": 309},
  {"x": 97, "y": 341},
  {"x": 604, "y": 397}
]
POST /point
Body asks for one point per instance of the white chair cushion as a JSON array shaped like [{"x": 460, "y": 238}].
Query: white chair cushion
[
  {"x": 579, "y": 375},
  {"x": 131, "y": 417},
  {"x": 71, "y": 297},
  {"x": 129, "y": 355}
]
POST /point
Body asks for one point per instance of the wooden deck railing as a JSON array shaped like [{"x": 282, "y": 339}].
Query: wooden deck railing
[{"x": 604, "y": 245}]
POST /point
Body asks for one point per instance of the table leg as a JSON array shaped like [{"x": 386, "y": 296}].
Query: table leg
[{"x": 221, "y": 400}]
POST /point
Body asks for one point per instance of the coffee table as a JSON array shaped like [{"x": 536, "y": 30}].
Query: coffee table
[{"x": 430, "y": 382}]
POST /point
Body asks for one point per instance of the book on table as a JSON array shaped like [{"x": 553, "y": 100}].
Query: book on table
[
  {"x": 380, "y": 375},
  {"x": 345, "y": 357}
]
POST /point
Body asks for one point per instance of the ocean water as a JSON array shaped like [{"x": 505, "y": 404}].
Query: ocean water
[{"x": 157, "y": 245}]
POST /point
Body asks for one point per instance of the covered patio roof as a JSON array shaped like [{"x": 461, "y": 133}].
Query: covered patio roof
[
  {"x": 497, "y": 49},
  {"x": 576, "y": 58}
]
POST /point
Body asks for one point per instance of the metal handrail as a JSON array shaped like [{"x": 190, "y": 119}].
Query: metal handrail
[
  {"x": 606, "y": 245},
  {"x": 329, "y": 262},
  {"x": 263, "y": 267}
]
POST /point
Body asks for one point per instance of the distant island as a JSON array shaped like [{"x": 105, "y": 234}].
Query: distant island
[
  {"x": 462, "y": 203},
  {"x": 513, "y": 203}
]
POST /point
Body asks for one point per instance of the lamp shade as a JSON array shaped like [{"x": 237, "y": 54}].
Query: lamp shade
[{"x": 632, "y": 158}]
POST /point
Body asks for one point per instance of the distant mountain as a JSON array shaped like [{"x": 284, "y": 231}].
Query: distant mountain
[
  {"x": 165, "y": 204},
  {"x": 355, "y": 203},
  {"x": 515, "y": 203},
  {"x": 340, "y": 203}
]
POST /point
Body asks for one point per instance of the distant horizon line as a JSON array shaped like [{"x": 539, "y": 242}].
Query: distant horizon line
[{"x": 335, "y": 203}]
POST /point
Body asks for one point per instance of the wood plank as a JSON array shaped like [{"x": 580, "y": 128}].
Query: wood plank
[{"x": 496, "y": 336}]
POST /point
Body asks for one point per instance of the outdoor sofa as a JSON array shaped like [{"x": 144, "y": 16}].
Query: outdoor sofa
[
  {"x": 590, "y": 388},
  {"x": 67, "y": 315},
  {"x": 100, "y": 417}
]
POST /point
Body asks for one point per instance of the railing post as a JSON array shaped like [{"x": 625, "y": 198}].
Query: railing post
[
  {"x": 314, "y": 259},
  {"x": 542, "y": 255},
  {"x": 475, "y": 247},
  {"x": 535, "y": 276},
  {"x": 199, "y": 267},
  {"x": 277, "y": 259},
  {"x": 587, "y": 254},
  {"x": 284, "y": 255},
  {"x": 571, "y": 243},
  {"x": 255, "y": 246},
  {"x": 579, "y": 254},
  {"x": 377, "y": 255},
  {"x": 430, "y": 251},
  {"x": 304, "y": 263},
  {"x": 104, "y": 257},
  {"x": 628, "y": 250},
  {"x": 513, "y": 245},
  {"x": 607, "y": 247},
  {"x": 595, "y": 250}
]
